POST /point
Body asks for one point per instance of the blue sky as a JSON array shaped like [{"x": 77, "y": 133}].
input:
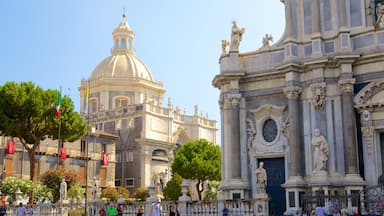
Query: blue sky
[{"x": 58, "y": 42}]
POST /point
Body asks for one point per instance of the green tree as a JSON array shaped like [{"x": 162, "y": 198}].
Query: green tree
[
  {"x": 76, "y": 192},
  {"x": 172, "y": 190},
  {"x": 28, "y": 113},
  {"x": 11, "y": 184},
  {"x": 211, "y": 193},
  {"x": 52, "y": 179},
  {"x": 198, "y": 160}
]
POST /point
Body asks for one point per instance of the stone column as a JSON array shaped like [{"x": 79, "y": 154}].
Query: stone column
[
  {"x": 232, "y": 103},
  {"x": 349, "y": 126},
  {"x": 294, "y": 140},
  {"x": 315, "y": 17},
  {"x": 288, "y": 19},
  {"x": 342, "y": 14}
]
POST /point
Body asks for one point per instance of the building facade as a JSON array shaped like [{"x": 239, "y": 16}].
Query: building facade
[
  {"x": 48, "y": 156},
  {"x": 122, "y": 97},
  {"x": 309, "y": 106}
]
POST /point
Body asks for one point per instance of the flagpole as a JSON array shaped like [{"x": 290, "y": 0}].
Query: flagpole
[
  {"x": 58, "y": 138},
  {"x": 87, "y": 143}
]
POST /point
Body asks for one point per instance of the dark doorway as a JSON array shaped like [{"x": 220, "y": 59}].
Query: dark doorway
[{"x": 275, "y": 177}]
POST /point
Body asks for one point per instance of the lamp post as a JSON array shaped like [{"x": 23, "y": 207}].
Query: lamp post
[{"x": 93, "y": 131}]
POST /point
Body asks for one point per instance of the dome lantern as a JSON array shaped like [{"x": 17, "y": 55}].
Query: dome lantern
[{"x": 123, "y": 37}]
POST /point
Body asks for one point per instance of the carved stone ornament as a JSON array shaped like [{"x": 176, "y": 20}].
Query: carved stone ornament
[
  {"x": 292, "y": 92},
  {"x": 370, "y": 94},
  {"x": 251, "y": 133},
  {"x": 285, "y": 128},
  {"x": 368, "y": 138},
  {"x": 346, "y": 85},
  {"x": 318, "y": 95},
  {"x": 234, "y": 99}
]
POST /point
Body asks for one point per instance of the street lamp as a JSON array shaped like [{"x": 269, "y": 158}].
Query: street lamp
[{"x": 93, "y": 131}]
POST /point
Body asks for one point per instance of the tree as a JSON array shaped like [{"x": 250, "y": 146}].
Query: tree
[
  {"x": 198, "y": 160},
  {"x": 11, "y": 184},
  {"x": 28, "y": 113},
  {"x": 172, "y": 190},
  {"x": 52, "y": 179}
]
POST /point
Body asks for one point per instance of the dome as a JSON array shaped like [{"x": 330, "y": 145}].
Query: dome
[
  {"x": 122, "y": 66},
  {"x": 123, "y": 63}
]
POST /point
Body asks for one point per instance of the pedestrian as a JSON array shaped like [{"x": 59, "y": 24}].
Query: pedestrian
[
  {"x": 30, "y": 210},
  {"x": 173, "y": 210},
  {"x": 21, "y": 210},
  {"x": 111, "y": 210},
  {"x": 156, "y": 208},
  {"x": 140, "y": 212},
  {"x": 102, "y": 212},
  {"x": 225, "y": 210},
  {"x": 119, "y": 210},
  {"x": 370, "y": 213},
  {"x": 3, "y": 209}
]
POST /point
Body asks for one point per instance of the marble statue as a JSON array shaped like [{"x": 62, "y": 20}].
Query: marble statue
[
  {"x": 320, "y": 151},
  {"x": 266, "y": 39},
  {"x": 251, "y": 132},
  {"x": 236, "y": 36},
  {"x": 63, "y": 190},
  {"x": 261, "y": 177},
  {"x": 224, "y": 44},
  {"x": 95, "y": 188}
]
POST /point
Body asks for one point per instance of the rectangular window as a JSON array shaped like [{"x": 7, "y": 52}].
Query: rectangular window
[
  {"x": 291, "y": 197},
  {"x": 129, "y": 182},
  {"x": 129, "y": 156},
  {"x": 104, "y": 148},
  {"x": 117, "y": 182},
  {"x": 118, "y": 157},
  {"x": 82, "y": 146}
]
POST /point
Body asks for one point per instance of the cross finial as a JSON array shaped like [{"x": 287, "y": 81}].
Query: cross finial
[{"x": 123, "y": 13}]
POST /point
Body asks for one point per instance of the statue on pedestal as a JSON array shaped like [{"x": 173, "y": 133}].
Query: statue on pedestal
[
  {"x": 320, "y": 151},
  {"x": 236, "y": 36},
  {"x": 95, "y": 189},
  {"x": 261, "y": 178},
  {"x": 63, "y": 190}
]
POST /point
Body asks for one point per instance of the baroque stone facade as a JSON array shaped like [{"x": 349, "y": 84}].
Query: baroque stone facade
[
  {"x": 122, "y": 97},
  {"x": 325, "y": 75}
]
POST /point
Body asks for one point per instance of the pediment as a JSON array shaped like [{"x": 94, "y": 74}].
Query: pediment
[{"x": 371, "y": 95}]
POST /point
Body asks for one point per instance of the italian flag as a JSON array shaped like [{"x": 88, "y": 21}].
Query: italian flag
[{"x": 58, "y": 106}]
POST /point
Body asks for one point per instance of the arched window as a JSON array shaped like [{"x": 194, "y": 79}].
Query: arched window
[
  {"x": 116, "y": 43},
  {"x": 123, "y": 44},
  {"x": 93, "y": 105}
]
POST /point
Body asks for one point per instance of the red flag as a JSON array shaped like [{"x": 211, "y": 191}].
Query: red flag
[
  {"x": 10, "y": 147},
  {"x": 105, "y": 160},
  {"x": 63, "y": 153}
]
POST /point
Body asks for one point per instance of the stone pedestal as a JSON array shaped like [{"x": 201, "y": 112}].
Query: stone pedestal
[{"x": 260, "y": 206}]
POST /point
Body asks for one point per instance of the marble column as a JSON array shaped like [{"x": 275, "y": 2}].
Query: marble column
[
  {"x": 293, "y": 93},
  {"x": 288, "y": 19},
  {"x": 232, "y": 103},
  {"x": 349, "y": 126},
  {"x": 315, "y": 17},
  {"x": 342, "y": 14}
]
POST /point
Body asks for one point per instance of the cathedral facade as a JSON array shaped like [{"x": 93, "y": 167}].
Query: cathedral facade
[
  {"x": 310, "y": 106},
  {"x": 122, "y": 97}
]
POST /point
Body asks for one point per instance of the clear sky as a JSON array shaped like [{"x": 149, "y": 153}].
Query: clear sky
[{"x": 58, "y": 42}]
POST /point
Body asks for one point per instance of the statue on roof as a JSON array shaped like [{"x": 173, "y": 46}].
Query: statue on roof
[
  {"x": 236, "y": 36},
  {"x": 224, "y": 44},
  {"x": 266, "y": 39}
]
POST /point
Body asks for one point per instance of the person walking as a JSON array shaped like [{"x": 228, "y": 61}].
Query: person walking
[
  {"x": 30, "y": 210},
  {"x": 3, "y": 210},
  {"x": 21, "y": 210}
]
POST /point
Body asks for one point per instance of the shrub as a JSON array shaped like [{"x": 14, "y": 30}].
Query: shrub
[
  {"x": 52, "y": 179},
  {"x": 141, "y": 194},
  {"x": 110, "y": 194}
]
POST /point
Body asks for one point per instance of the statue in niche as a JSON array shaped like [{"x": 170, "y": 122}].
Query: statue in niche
[
  {"x": 266, "y": 39},
  {"x": 63, "y": 190},
  {"x": 318, "y": 96},
  {"x": 251, "y": 132},
  {"x": 224, "y": 44},
  {"x": 236, "y": 36},
  {"x": 320, "y": 151},
  {"x": 380, "y": 13},
  {"x": 261, "y": 178}
]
